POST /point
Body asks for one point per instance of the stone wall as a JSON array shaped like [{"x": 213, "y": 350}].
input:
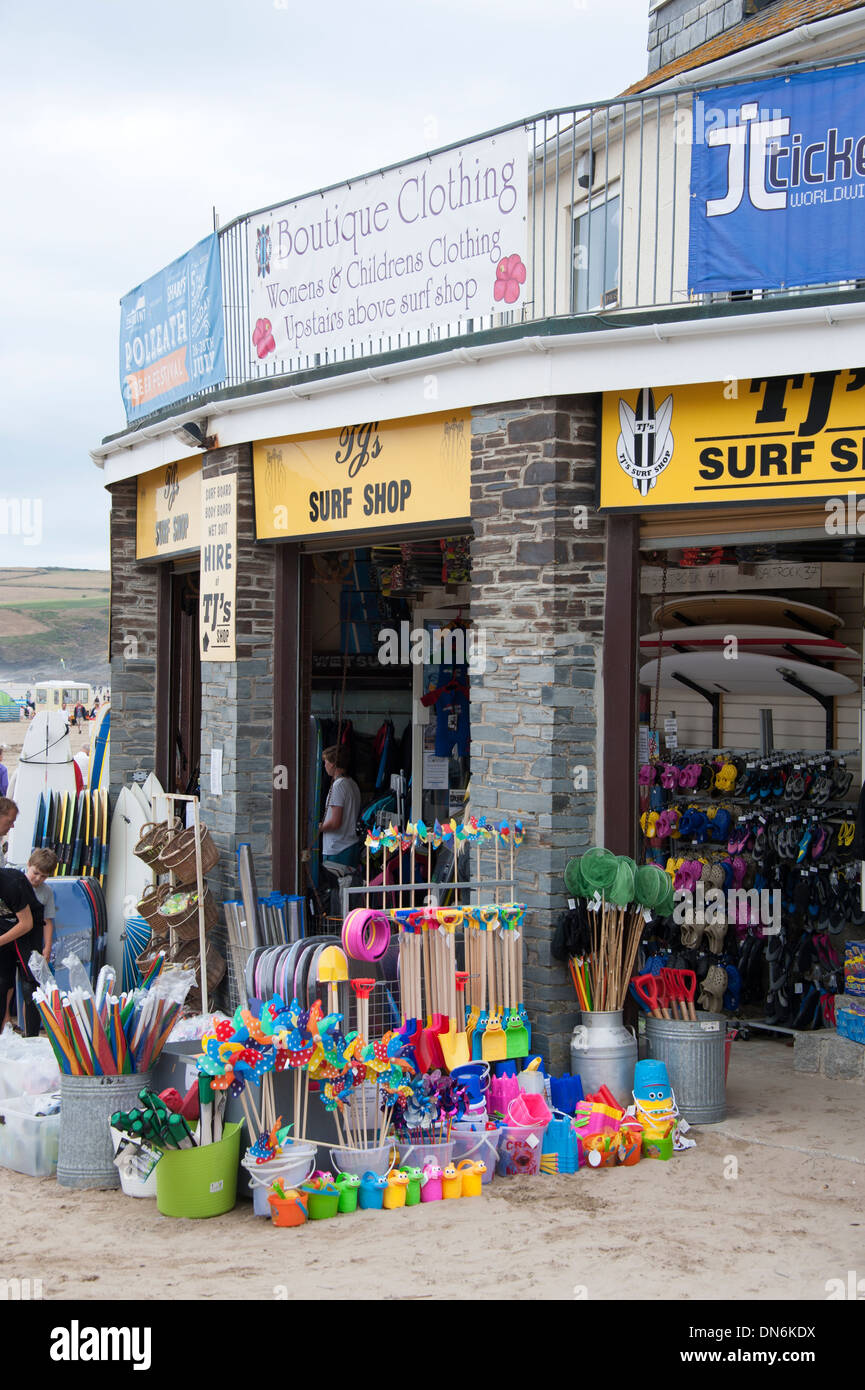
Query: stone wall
[
  {"x": 683, "y": 25},
  {"x": 538, "y": 590},
  {"x": 237, "y": 700},
  {"x": 132, "y": 644}
]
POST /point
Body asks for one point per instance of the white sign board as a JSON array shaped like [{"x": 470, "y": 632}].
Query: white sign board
[
  {"x": 434, "y": 242},
  {"x": 217, "y": 615}
]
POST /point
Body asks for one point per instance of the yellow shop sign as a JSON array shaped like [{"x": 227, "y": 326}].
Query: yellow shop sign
[
  {"x": 364, "y": 477},
  {"x": 791, "y": 438},
  {"x": 169, "y": 510}
]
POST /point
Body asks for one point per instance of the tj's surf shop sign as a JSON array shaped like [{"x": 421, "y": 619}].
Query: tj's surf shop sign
[
  {"x": 790, "y": 438},
  {"x": 372, "y": 476},
  {"x": 168, "y": 519}
]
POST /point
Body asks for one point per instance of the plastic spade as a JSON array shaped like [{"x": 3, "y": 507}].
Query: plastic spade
[
  {"x": 456, "y": 1046},
  {"x": 332, "y": 970},
  {"x": 647, "y": 990},
  {"x": 688, "y": 982}
]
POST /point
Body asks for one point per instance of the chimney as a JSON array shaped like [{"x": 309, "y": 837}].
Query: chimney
[{"x": 677, "y": 27}]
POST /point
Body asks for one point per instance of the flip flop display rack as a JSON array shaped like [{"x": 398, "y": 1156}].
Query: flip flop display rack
[{"x": 764, "y": 847}]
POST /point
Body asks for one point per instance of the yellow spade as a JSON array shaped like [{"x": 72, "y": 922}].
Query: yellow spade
[{"x": 332, "y": 971}]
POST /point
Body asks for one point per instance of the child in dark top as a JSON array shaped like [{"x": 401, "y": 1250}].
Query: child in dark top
[{"x": 21, "y": 932}]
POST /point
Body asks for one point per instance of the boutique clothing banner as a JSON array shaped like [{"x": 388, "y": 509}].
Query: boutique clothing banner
[
  {"x": 172, "y": 335},
  {"x": 778, "y": 182},
  {"x": 434, "y": 242}
]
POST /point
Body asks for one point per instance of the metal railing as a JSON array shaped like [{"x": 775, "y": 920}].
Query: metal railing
[{"x": 606, "y": 235}]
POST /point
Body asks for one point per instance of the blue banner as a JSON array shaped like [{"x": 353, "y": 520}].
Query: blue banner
[
  {"x": 172, "y": 333},
  {"x": 778, "y": 182}
]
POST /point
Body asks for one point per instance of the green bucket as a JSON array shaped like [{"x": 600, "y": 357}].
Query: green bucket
[{"x": 200, "y": 1182}]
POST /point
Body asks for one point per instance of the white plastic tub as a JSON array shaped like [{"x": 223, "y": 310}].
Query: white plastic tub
[
  {"x": 28, "y": 1067},
  {"x": 29, "y": 1142}
]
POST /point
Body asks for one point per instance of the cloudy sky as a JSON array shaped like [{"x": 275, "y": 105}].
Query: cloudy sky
[{"x": 123, "y": 125}]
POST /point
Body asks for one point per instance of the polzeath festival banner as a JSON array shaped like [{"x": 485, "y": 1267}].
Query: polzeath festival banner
[
  {"x": 435, "y": 242},
  {"x": 172, "y": 334}
]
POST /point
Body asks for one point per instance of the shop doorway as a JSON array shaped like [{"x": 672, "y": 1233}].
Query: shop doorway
[{"x": 184, "y": 685}]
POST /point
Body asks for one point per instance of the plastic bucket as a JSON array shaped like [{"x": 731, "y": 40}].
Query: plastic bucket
[
  {"x": 520, "y": 1150},
  {"x": 360, "y": 1161},
  {"x": 475, "y": 1076},
  {"x": 86, "y": 1154},
  {"x": 132, "y": 1186},
  {"x": 693, "y": 1054},
  {"x": 529, "y": 1110},
  {"x": 532, "y": 1082},
  {"x": 416, "y": 1155},
  {"x": 566, "y": 1091},
  {"x": 292, "y": 1168},
  {"x": 200, "y": 1183},
  {"x": 321, "y": 1205},
  {"x": 479, "y": 1143},
  {"x": 287, "y": 1211}
]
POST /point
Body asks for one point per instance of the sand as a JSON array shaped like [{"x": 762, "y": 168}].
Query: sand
[{"x": 788, "y": 1222}]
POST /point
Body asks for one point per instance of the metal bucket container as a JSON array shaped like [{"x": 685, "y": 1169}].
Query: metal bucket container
[
  {"x": 604, "y": 1053},
  {"x": 694, "y": 1057},
  {"x": 86, "y": 1156}
]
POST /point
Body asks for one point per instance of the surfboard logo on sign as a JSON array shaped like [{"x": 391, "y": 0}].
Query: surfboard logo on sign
[{"x": 645, "y": 445}]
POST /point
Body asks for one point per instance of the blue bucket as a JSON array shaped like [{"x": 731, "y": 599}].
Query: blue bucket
[
  {"x": 475, "y": 1076},
  {"x": 565, "y": 1092}
]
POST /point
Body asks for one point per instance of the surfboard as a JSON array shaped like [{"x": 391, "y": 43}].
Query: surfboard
[
  {"x": 750, "y": 673},
  {"x": 142, "y": 800},
  {"x": 95, "y": 840},
  {"x": 127, "y": 877},
  {"x": 106, "y": 834},
  {"x": 84, "y": 866},
  {"x": 61, "y": 833},
  {"x": 40, "y": 822},
  {"x": 77, "y": 840},
  {"x": 751, "y": 637},
  {"x": 768, "y": 609},
  {"x": 153, "y": 788},
  {"x": 98, "y": 767},
  {"x": 45, "y": 764}
]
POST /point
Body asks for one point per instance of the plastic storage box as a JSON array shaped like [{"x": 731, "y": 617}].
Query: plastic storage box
[
  {"x": 29, "y": 1142},
  {"x": 27, "y": 1067}
]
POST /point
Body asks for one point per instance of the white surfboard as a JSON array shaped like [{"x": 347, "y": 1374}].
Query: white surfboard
[
  {"x": 152, "y": 787},
  {"x": 128, "y": 877},
  {"x": 45, "y": 765},
  {"x": 749, "y": 673},
  {"x": 137, "y": 792},
  {"x": 750, "y": 637},
  {"x": 686, "y": 609}
]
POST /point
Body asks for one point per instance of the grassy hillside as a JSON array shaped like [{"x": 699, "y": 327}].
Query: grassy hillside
[{"x": 46, "y": 614}]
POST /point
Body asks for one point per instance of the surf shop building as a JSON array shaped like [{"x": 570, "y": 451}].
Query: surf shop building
[{"x": 435, "y": 452}]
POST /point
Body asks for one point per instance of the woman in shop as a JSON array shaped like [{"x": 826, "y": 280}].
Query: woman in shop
[{"x": 340, "y": 841}]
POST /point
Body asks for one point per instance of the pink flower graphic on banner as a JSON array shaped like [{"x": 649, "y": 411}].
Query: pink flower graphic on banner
[
  {"x": 262, "y": 337},
  {"x": 510, "y": 274}
]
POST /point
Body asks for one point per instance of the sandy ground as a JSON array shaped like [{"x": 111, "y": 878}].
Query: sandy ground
[{"x": 789, "y": 1220}]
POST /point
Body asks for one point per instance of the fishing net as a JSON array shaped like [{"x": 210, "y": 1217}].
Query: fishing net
[
  {"x": 574, "y": 881},
  {"x": 598, "y": 869},
  {"x": 621, "y": 890},
  {"x": 650, "y": 885}
]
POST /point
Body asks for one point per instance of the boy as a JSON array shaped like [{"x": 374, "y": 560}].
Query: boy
[{"x": 40, "y": 865}]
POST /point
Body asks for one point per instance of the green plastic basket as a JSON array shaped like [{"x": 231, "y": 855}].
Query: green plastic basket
[{"x": 199, "y": 1183}]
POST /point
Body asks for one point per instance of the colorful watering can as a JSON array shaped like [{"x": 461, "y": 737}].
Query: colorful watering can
[
  {"x": 431, "y": 1182},
  {"x": 348, "y": 1184},
  {"x": 452, "y": 1183},
  {"x": 395, "y": 1192},
  {"x": 371, "y": 1192},
  {"x": 412, "y": 1192},
  {"x": 471, "y": 1174}
]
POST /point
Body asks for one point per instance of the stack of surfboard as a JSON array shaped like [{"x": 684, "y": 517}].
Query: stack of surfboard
[{"x": 774, "y": 638}]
